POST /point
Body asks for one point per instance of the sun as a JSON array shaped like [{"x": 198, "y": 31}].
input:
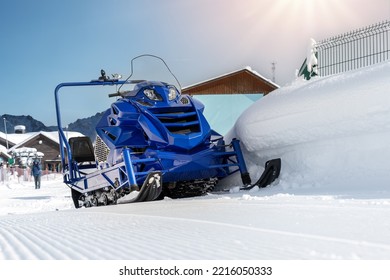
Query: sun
[{"x": 307, "y": 15}]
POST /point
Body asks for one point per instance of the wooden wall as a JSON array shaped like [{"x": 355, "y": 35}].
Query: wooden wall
[
  {"x": 47, "y": 146},
  {"x": 243, "y": 82}
]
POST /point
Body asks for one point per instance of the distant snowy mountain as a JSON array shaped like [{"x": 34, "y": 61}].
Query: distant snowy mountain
[
  {"x": 85, "y": 126},
  {"x": 28, "y": 121}
]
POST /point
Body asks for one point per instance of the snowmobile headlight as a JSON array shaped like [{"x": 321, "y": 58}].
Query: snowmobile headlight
[
  {"x": 184, "y": 100},
  {"x": 172, "y": 94},
  {"x": 152, "y": 95}
]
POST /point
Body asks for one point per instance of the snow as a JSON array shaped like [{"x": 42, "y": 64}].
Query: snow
[
  {"x": 331, "y": 202},
  {"x": 20, "y": 197},
  {"x": 311, "y": 58},
  {"x": 332, "y": 133}
]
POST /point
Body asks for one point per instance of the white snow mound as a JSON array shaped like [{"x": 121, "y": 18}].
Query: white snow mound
[{"x": 330, "y": 132}]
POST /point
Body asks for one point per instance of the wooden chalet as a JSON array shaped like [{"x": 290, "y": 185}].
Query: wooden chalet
[
  {"x": 45, "y": 142},
  {"x": 243, "y": 81},
  {"x": 4, "y": 157}
]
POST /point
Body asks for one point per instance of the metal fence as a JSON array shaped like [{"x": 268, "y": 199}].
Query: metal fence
[{"x": 353, "y": 50}]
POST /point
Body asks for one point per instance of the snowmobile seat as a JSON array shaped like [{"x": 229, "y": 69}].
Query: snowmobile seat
[{"x": 82, "y": 149}]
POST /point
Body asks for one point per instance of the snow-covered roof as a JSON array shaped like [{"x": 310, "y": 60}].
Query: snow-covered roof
[
  {"x": 3, "y": 149},
  {"x": 53, "y": 135},
  {"x": 18, "y": 140},
  {"x": 247, "y": 68},
  {"x": 14, "y": 138},
  {"x": 3, "y": 152}
]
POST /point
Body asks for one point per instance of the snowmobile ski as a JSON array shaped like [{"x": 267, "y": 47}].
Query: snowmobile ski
[
  {"x": 150, "y": 190},
  {"x": 270, "y": 174}
]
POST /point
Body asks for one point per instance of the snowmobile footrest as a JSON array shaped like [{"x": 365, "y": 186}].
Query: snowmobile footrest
[{"x": 270, "y": 174}]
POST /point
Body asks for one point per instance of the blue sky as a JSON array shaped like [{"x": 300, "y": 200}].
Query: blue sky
[{"x": 46, "y": 42}]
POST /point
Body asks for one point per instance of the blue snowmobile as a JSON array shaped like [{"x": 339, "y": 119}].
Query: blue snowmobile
[{"x": 152, "y": 142}]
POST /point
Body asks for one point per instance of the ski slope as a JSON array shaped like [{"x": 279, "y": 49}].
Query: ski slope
[
  {"x": 332, "y": 200},
  {"x": 262, "y": 224}
]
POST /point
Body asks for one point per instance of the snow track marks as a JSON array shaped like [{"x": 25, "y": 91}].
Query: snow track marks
[{"x": 194, "y": 229}]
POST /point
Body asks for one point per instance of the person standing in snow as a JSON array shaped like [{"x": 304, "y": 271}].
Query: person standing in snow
[{"x": 36, "y": 171}]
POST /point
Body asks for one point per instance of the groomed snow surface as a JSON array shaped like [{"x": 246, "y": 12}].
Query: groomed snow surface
[{"x": 332, "y": 200}]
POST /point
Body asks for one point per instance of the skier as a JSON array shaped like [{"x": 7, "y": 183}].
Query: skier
[{"x": 36, "y": 172}]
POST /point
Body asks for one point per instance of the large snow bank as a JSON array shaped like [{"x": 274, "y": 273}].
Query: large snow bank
[{"x": 330, "y": 132}]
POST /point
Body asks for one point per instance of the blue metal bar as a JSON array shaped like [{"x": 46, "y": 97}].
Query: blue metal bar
[
  {"x": 144, "y": 173},
  {"x": 108, "y": 179},
  {"x": 221, "y": 154},
  {"x": 241, "y": 162},
  {"x": 240, "y": 157},
  {"x": 223, "y": 165},
  {"x": 129, "y": 166},
  {"x": 141, "y": 160},
  {"x": 62, "y": 138}
]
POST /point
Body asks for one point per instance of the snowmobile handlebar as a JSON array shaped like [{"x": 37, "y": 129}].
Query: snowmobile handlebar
[{"x": 114, "y": 94}]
